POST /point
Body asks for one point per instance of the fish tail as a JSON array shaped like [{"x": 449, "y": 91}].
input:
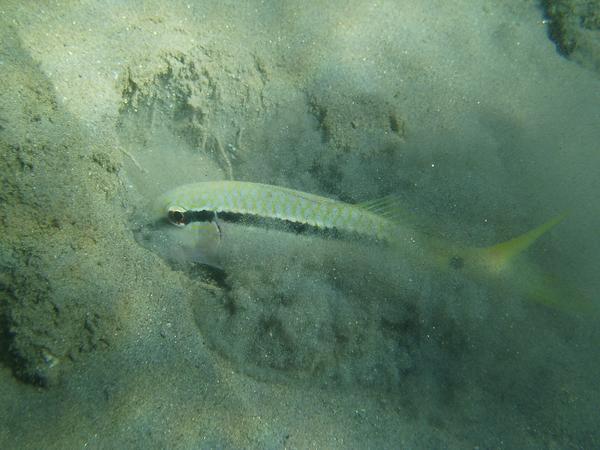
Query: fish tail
[
  {"x": 501, "y": 260},
  {"x": 500, "y": 255}
]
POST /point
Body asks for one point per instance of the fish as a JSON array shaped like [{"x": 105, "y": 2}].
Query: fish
[
  {"x": 200, "y": 207},
  {"x": 200, "y": 202}
]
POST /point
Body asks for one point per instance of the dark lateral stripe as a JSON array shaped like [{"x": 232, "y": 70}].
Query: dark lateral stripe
[
  {"x": 271, "y": 223},
  {"x": 198, "y": 216}
]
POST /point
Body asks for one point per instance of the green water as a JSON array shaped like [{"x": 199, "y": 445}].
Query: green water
[{"x": 465, "y": 111}]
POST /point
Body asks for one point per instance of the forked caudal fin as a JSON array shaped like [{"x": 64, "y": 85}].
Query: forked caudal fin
[
  {"x": 500, "y": 260},
  {"x": 499, "y": 255}
]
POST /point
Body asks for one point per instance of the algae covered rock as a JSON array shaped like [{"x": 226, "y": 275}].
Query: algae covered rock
[{"x": 574, "y": 26}]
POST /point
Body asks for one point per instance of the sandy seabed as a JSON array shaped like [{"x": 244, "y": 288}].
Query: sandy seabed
[{"x": 464, "y": 110}]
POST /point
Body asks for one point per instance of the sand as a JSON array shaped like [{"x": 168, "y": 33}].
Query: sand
[{"x": 464, "y": 110}]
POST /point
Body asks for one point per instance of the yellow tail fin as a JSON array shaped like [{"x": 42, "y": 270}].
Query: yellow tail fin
[
  {"x": 539, "y": 287},
  {"x": 551, "y": 291},
  {"x": 499, "y": 255}
]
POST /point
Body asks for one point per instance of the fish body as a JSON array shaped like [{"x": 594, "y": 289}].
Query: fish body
[
  {"x": 192, "y": 205},
  {"x": 274, "y": 202}
]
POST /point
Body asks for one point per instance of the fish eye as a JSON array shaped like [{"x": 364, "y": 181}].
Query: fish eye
[{"x": 176, "y": 216}]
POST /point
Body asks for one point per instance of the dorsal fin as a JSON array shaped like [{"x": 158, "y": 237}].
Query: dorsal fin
[{"x": 389, "y": 207}]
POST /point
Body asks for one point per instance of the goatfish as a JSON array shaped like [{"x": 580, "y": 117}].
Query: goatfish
[{"x": 193, "y": 207}]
